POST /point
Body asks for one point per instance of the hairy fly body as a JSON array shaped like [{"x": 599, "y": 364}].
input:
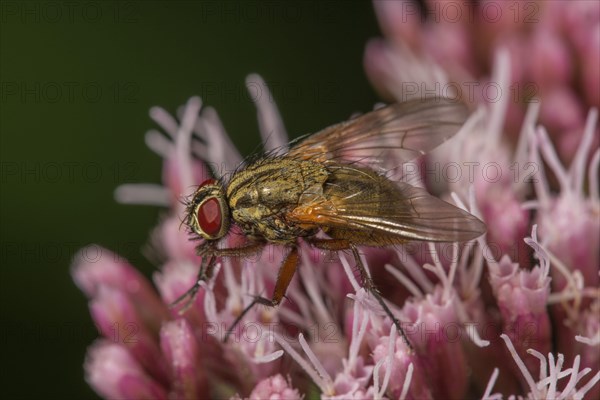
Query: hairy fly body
[{"x": 331, "y": 182}]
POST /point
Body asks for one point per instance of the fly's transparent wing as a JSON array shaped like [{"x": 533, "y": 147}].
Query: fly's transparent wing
[
  {"x": 416, "y": 215},
  {"x": 369, "y": 209},
  {"x": 398, "y": 132}
]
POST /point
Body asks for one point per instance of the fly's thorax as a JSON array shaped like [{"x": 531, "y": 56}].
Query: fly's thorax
[
  {"x": 260, "y": 195},
  {"x": 275, "y": 182}
]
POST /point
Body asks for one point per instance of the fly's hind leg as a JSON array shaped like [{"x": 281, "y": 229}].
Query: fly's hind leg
[
  {"x": 284, "y": 277},
  {"x": 370, "y": 287},
  {"x": 209, "y": 252},
  {"x": 368, "y": 284}
]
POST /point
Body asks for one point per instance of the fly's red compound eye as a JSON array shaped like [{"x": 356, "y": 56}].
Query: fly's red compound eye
[
  {"x": 210, "y": 217},
  {"x": 208, "y": 212}
]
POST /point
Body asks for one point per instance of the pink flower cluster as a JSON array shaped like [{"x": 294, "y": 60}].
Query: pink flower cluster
[{"x": 515, "y": 313}]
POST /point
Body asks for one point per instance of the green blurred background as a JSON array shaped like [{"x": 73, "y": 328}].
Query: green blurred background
[{"x": 77, "y": 80}]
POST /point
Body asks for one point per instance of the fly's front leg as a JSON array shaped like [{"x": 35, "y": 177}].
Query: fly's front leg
[
  {"x": 206, "y": 271},
  {"x": 209, "y": 253},
  {"x": 242, "y": 251},
  {"x": 367, "y": 281},
  {"x": 284, "y": 277}
]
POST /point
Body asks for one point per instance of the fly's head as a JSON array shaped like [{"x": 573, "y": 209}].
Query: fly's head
[{"x": 208, "y": 211}]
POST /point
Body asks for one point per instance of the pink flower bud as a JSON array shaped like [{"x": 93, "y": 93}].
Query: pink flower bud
[
  {"x": 273, "y": 388},
  {"x": 436, "y": 334},
  {"x": 118, "y": 320},
  {"x": 401, "y": 360},
  {"x": 522, "y": 296},
  {"x": 115, "y": 374},
  {"x": 179, "y": 345}
]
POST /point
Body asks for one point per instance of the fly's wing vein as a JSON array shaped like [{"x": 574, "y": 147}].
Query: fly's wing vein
[
  {"x": 408, "y": 213},
  {"x": 397, "y": 133}
]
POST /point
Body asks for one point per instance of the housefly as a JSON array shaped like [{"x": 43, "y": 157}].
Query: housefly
[{"x": 332, "y": 182}]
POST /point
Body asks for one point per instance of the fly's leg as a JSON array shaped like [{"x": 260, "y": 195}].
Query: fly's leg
[
  {"x": 209, "y": 253},
  {"x": 243, "y": 251},
  {"x": 368, "y": 284},
  {"x": 204, "y": 274},
  {"x": 284, "y": 277}
]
